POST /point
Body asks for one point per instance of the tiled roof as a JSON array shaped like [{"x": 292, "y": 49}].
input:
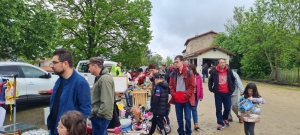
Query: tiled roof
[
  {"x": 188, "y": 40},
  {"x": 213, "y": 47}
]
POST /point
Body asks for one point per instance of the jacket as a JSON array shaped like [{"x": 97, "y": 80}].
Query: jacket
[
  {"x": 199, "y": 87},
  {"x": 213, "y": 81},
  {"x": 76, "y": 95},
  {"x": 238, "y": 84},
  {"x": 190, "y": 85},
  {"x": 160, "y": 98},
  {"x": 103, "y": 96}
]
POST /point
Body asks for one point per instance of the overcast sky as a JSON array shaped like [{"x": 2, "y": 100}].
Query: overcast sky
[{"x": 174, "y": 21}]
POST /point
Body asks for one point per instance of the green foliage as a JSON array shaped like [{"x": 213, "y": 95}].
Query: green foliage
[
  {"x": 117, "y": 30},
  {"x": 156, "y": 59},
  {"x": 265, "y": 38},
  {"x": 169, "y": 61},
  {"x": 26, "y": 30}
]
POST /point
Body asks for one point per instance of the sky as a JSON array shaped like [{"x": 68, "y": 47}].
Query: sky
[{"x": 174, "y": 21}]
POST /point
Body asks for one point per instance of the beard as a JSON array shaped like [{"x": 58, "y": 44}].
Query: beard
[{"x": 59, "y": 72}]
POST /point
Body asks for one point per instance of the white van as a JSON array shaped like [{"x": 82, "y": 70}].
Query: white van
[{"x": 83, "y": 69}]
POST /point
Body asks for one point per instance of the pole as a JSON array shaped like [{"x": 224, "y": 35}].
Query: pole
[{"x": 15, "y": 90}]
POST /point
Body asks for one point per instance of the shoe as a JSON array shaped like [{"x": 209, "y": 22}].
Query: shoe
[
  {"x": 230, "y": 120},
  {"x": 220, "y": 127},
  {"x": 226, "y": 123},
  {"x": 196, "y": 127}
]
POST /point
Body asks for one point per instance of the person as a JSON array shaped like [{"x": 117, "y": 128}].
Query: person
[
  {"x": 103, "y": 97},
  {"x": 72, "y": 123},
  {"x": 198, "y": 95},
  {"x": 182, "y": 85},
  {"x": 204, "y": 72},
  {"x": 70, "y": 92},
  {"x": 186, "y": 62},
  {"x": 118, "y": 69},
  {"x": 234, "y": 96},
  {"x": 250, "y": 93},
  {"x": 159, "y": 103},
  {"x": 222, "y": 84}
]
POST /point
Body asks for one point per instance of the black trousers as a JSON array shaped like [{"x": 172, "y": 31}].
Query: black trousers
[
  {"x": 157, "y": 120},
  {"x": 249, "y": 128}
]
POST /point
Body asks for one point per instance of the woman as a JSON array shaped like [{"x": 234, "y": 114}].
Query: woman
[
  {"x": 72, "y": 123},
  {"x": 198, "y": 95}
]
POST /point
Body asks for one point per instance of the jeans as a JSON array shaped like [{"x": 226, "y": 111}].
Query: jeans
[
  {"x": 234, "y": 98},
  {"x": 203, "y": 77},
  {"x": 179, "y": 108},
  {"x": 226, "y": 100},
  {"x": 157, "y": 121},
  {"x": 249, "y": 128},
  {"x": 194, "y": 111},
  {"x": 99, "y": 126}
]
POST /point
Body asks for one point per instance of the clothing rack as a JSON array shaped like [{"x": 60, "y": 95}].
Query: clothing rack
[{"x": 15, "y": 88}]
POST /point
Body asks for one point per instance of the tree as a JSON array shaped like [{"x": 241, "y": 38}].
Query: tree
[
  {"x": 26, "y": 30},
  {"x": 156, "y": 59},
  {"x": 169, "y": 61},
  {"x": 117, "y": 29}
]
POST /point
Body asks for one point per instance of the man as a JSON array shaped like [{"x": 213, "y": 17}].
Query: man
[
  {"x": 186, "y": 62},
  {"x": 234, "y": 96},
  {"x": 222, "y": 84},
  {"x": 71, "y": 91},
  {"x": 165, "y": 70},
  {"x": 182, "y": 85},
  {"x": 103, "y": 96},
  {"x": 118, "y": 69},
  {"x": 204, "y": 72}
]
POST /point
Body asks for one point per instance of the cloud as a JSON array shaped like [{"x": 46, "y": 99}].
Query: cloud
[{"x": 174, "y": 21}]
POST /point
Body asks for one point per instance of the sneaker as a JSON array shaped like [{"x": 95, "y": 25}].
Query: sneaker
[
  {"x": 226, "y": 123},
  {"x": 220, "y": 127}
]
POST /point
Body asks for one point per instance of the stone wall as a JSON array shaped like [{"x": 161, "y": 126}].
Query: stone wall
[{"x": 199, "y": 43}]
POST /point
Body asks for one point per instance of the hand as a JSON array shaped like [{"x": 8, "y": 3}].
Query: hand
[
  {"x": 200, "y": 99},
  {"x": 250, "y": 98}
]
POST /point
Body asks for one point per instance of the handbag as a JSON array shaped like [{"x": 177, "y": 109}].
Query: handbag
[
  {"x": 247, "y": 105},
  {"x": 248, "y": 116},
  {"x": 256, "y": 109}
]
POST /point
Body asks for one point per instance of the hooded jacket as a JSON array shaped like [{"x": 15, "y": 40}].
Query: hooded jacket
[
  {"x": 199, "y": 87},
  {"x": 160, "y": 98},
  {"x": 103, "y": 96},
  {"x": 213, "y": 82}
]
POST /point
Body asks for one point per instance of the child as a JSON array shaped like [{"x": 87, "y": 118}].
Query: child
[
  {"x": 72, "y": 123},
  {"x": 159, "y": 103},
  {"x": 250, "y": 93}
]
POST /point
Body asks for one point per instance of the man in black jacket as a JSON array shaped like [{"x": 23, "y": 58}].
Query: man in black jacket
[
  {"x": 222, "y": 83},
  {"x": 159, "y": 103}
]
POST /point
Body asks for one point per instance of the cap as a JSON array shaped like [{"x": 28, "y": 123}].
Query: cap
[
  {"x": 96, "y": 60},
  {"x": 158, "y": 76}
]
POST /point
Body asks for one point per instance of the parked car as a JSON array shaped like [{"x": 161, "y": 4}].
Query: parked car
[
  {"x": 31, "y": 79},
  {"x": 136, "y": 71}
]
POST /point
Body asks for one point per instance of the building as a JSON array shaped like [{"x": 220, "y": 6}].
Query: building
[{"x": 200, "y": 50}]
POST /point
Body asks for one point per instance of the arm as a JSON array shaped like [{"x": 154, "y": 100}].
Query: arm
[
  {"x": 172, "y": 86},
  {"x": 199, "y": 88},
  {"x": 210, "y": 82},
  {"x": 233, "y": 79},
  {"x": 258, "y": 100},
  {"x": 84, "y": 99},
  {"x": 239, "y": 83},
  {"x": 191, "y": 87},
  {"x": 106, "y": 97}
]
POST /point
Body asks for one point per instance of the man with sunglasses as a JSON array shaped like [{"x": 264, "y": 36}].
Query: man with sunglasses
[{"x": 70, "y": 92}]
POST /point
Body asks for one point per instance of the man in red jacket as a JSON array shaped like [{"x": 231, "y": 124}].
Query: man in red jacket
[{"x": 182, "y": 85}]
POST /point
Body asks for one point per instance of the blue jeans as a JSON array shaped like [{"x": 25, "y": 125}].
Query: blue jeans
[
  {"x": 99, "y": 126},
  {"x": 203, "y": 77},
  {"x": 226, "y": 100},
  {"x": 179, "y": 108},
  {"x": 194, "y": 112}
]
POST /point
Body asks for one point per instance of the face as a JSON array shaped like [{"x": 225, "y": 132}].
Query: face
[
  {"x": 157, "y": 81},
  {"x": 61, "y": 129},
  {"x": 250, "y": 92},
  {"x": 153, "y": 71},
  {"x": 57, "y": 66},
  {"x": 92, "y": 69},
  {"x": 178, "y": 63},
  {"x": 186, "y": 62},
  {"x": 120, "y": 64},
  {"x": 221, "y": 64}
]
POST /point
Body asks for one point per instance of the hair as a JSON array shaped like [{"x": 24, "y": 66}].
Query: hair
[
  {"x": 193, "y": 68},
  {"x": 152, "y": 66},
  {"x": 64, "y": 55},
  {"x": 97, "y": 61},
  {"x": 75, "y": 122},
  {"x": 221, "y": 59},
  {"x": 254, "y": 88},
  {"x": 180, "y": 57}
]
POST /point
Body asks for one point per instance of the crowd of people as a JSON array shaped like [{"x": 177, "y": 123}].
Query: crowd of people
[{"x": 72, "y": 102}]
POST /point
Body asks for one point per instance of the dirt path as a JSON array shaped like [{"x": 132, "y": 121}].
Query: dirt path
[{"x": 280, "y": 114}]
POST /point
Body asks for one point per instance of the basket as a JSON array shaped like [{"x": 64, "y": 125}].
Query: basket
[{"x": 139, "y": 97}]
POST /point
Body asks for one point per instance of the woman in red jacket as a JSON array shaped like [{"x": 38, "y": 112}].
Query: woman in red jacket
[{"x": 198, "y": 95}]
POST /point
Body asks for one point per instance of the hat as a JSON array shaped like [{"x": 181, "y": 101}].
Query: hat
[
  {"x": 163, "y": 64},
  {"x": 158, "y": 76},
  {"x": 96, "y": 60}
]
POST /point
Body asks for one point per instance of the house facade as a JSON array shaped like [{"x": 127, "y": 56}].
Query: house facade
[{"x": 200, "y": 50}]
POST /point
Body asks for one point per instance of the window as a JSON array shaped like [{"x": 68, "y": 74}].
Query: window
[
  {"x": 83, "y": 68},
  {"x": 31, "y": 72},
  {"x": 9, "y": 70}
]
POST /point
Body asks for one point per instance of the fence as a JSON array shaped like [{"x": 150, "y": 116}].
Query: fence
[{"x": 288, "y": 76}]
